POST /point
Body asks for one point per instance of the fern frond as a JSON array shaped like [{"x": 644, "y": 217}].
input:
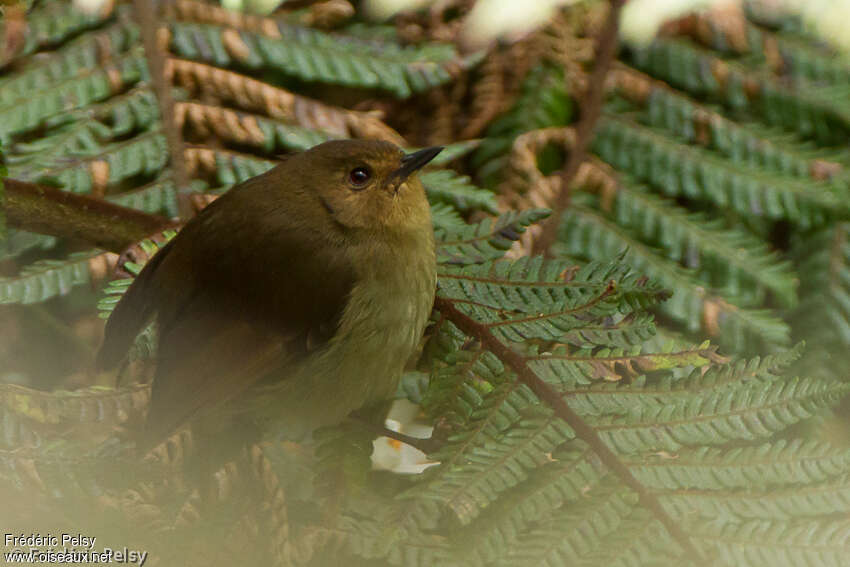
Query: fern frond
[
  {"x": 86, "y": 52},
  {"x": 679, "y": 170},
  {"x": 75, "y": 134},
  {"x": 775, "y": 463},
  {"x": 50, "y": 24},
  {"x": 824, "y": 311},
  {"x": 585, "y": 231},
  {"x": 445, "y": 186},
  {"x": 566, "y": 369},
  {"x": 312, "y": 55},
  {"x": 639, "y": 541},
  {"x": 789, "y": 54},
  {"x": 530, "y": 298},
  {"x": 135, "y": 111},
  {"x": 751, "y": 411},
  {"x": 78, "y": 91},
  {"x": 487, "y": 240},
  {"x": 574, "y": 532},
  {"x": 742, "y": 143},
  {"x": 821, "y": 542},
  {"x": 265, "y": 134},
  {"x": 801, "y": 109},
  {"x": 558, "y": 484},
  {"x": 706, "y": 373},
  {"x": 543, "y": 103},
  {"x": 25, "y": 411},
  {"x": 226, "y": 167},
  {"x": 455, "y": 151},
  {"x": 445, "y": 217},
  {"x": 479, "y": 464},
  {"x": 730, "y": 259},
  {"x": 157, "y": 197},
  {"x": 824, "y": 498},
  {"x": 145, "y": 155},
  {"x": 45, "y": 279},
  {"x": 252, "y": 95},
  {"x": 115, "y": 289},
  {"x": 473, "y": 392}
]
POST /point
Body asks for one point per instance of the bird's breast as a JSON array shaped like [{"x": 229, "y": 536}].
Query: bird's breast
[{"x": 379, "y": 330}]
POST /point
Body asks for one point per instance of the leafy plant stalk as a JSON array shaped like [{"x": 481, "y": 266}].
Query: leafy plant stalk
[{"x": 543, "y": 391}]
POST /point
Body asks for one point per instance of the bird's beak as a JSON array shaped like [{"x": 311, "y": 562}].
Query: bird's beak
[{"x": 412, "y": 162}]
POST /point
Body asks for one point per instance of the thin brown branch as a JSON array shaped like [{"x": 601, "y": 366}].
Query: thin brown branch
[
  {"x": 591, "y": 106},
  {"x": 584, "y": 431},
  {"x": 146, "y": 17},
  {"x": 48, "y": 210}
]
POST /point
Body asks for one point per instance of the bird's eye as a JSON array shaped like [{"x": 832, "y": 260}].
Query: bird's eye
[{"x": 359, "y": 177}]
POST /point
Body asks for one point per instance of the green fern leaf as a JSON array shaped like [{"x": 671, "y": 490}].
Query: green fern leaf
[
  {"x": 585, "y": 231},
  {"x": 445, "y": 186},
  {"x": 45, "y": 279},
  {"x": 312, "y": 55},
  {"x": 696, "y": 173},
  {"x": 728, "y": 259},
  {"x": 487, "y": 240}
]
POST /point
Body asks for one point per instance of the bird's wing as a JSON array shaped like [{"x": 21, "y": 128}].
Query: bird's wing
[
  {"x": 130, "y": 315},
  {"x": 230, "y": 309},
  {"x": 208, "y": 356}
]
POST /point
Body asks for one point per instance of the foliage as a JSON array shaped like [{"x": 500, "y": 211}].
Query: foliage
[{"x": 580, "y": 415}]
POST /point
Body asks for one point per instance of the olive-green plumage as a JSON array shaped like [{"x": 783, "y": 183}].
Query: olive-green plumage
[{"x": 313, "y": 280}]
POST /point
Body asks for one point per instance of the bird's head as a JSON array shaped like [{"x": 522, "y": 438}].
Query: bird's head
[{"x": 368, "y": 184}]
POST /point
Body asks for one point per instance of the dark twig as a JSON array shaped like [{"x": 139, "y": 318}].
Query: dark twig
[
  {"x": 146, "y": 17},
  {"x": 584, "y": 431},
  {"x": 590, "y": 108},
  {"x": 426, "y": 445},
  {"x": 48, "y": 210}
]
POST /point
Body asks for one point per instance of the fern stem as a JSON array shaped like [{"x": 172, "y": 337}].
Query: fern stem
[
  {"x": 145, "y": 15},
  {"x": 48, "y": 210},
  {"x": 591, "y": 107},
  {"x": 584, "y": 431}
]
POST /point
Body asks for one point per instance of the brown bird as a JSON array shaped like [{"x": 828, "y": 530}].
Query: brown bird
[{"x": 309, "y": 285}]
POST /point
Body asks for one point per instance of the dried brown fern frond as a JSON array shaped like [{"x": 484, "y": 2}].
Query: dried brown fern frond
[
  {"x": 207, "y": 120},
  {"x": 102, "y": 267},
  {"x": 491, "y": 93},
  {"x": 201, "y": 162},
  {"x": 567, "y": 42},
  {"x": 209, "y": 13},
  {"x": 524, "y": 182},
  {"x": 464, "y": 109},
  {"x": 213, "y": 83},
  {"x": 726, "y": 19},
  {"x": 525, "y": 186},
  {"x": 321, "y": 15},
  {"x": 325, "y": 14},
  {"x": 442, "y": 21}
]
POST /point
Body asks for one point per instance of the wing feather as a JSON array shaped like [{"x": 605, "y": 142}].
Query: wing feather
[{"x": 238, "y": 292}]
